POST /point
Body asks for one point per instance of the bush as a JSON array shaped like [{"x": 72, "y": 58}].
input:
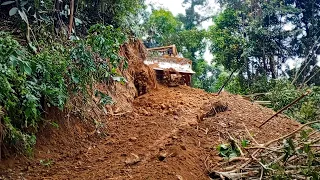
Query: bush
[
  {"x": 283, "y": 92},
  {"x": 30, "y": 82}
]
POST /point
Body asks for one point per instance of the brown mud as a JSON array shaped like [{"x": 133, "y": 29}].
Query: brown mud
[
  {"x": 161, "y": 138},
  {"x": 156, "y": 135}
]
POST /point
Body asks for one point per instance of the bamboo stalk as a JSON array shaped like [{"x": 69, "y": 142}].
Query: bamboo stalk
[{"x": 286, "y": 107}]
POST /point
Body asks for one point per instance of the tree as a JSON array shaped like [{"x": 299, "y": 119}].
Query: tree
[
  {"x": 306, "y": 39},
  {"x": 55, "y": 17},
  {"x": 227, "y": 39},
  {"x": 256, "y": 34},
  {"x": 206, "y": 76},
  {"x": 192, "y": 18},
  {"x": 161, "y": 27}
]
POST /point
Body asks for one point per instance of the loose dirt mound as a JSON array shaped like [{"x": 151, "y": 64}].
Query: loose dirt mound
[{"x": 161, "y": 139}]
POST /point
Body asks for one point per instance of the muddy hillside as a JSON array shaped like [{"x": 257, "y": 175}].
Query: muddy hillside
[{"x": 151, "y": 132}]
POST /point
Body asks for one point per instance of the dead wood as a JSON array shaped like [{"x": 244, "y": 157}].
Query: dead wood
[{"x": 251, "y": 165}]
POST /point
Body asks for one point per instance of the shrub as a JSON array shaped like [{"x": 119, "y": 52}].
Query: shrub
[
  {"x": 30, "y": 82},
  {"x": 283, "y": 92}
]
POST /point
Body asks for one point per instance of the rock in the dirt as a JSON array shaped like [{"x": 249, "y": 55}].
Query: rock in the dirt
[
  {"x": 132, "y": 139},
  {"x": 132, "y": 160},
  {"x": 163, "y": 106},
  {"x": 179, "y": 177},
  {"x": 162, "y": 156},
  {"x": 145, "y": 112}
]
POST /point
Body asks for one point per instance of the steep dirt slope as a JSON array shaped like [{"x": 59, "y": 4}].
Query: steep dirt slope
[{"x": 161, "y": 138}]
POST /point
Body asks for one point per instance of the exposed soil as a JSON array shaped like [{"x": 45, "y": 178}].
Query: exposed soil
[
  {"x": 161, "y": 138},
  {"x": 165, "y": 133}
]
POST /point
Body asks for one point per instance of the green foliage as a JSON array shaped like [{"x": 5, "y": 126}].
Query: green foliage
[
  {"x": 233, "y": 86},
  {"x": 205, "y": 77},
  {"x": 54, "y": 124},
  {"x": 49, "y": 74},
  {"x": 307, "y": 166},
  {"x": 46, "y": 162},
  {"x": 245, "y": 143},
  {"x": 110, "y": 12},
  {"x": 161, "y": 26},
  {"x": 190, "y": 42},
  {"x": 104, "y": 42},
  {"x": 228, "y": 151},
  {"x": 29, "y": 83},
  {"x": 281, "y": 92},
  {"x": 264, "y": 36},
  {"x": 228, "y": 42},
  {"x": 17, "y": 97},
  {"x": 50, "y": 18}
]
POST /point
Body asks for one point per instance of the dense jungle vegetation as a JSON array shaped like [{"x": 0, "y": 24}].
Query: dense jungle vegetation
[{"x": 49, "y": 50}]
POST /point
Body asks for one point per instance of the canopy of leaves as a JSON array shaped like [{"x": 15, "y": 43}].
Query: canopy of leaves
[
  {"x": 264, "y": 35},
  {"x": 228, "y": 42},
  {"x": 161, "y": 27}
]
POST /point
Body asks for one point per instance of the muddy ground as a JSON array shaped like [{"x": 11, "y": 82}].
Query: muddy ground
[{"x": 161, "y": 138}]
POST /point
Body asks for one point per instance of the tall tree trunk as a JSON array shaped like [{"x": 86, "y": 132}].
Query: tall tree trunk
[
  {"x": 265, "y": 67},
  {"x": 273, "y": 68},
  {"x": 248, "y": 71},
  {"x": 71, "y": 17}
]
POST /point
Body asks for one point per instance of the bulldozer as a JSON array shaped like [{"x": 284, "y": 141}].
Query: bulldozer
[{"x": 170, "y": 68}]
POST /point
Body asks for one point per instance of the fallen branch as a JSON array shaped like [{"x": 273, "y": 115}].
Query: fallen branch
[
  {"x": 233, "y": 175},
  {"x": 261, "y": 176},
  {"x": 286, "y": 107},
  {"x": 290, "y": 134},
  {"x": 253, "y": 165},
  {"x": 264, "y": 148},
  {"x": 312, "y": 76}
]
